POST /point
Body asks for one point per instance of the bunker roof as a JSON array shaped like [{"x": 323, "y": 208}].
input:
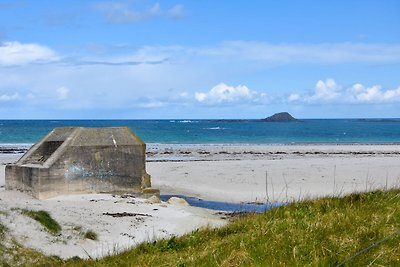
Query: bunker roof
[{"x": 114, "y": 136}]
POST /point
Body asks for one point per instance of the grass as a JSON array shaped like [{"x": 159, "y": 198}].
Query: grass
[
  {"x": 44, "y": 218},
  {"x": 90, "y": 235},
  {"x": 2, "y": 231},
  {"x": 13, "y": 254},
  {"x": 322, "y": 232},
  {"x": 17, "y": 255}
]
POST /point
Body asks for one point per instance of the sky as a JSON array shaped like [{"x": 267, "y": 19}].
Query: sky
[{"x": 144, "y": 59}]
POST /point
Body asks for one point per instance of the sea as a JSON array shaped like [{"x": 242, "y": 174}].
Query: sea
[
  {"x": 22, "y": 133},
  {"x": 16, "y": 136}
]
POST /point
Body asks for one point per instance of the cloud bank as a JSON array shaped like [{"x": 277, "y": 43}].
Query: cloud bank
[
  {"x": 15, "y": 53},
  {"x": 6, "y": 98},
  {"x": 166, "y": 79},
  {"x": 222, "y": 93},
  {"x": 118, "y": 12},
  {"x": 328, "y": 53},
  {"x": 329, "y": 91}
]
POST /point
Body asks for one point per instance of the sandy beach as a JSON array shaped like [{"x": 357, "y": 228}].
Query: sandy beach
[
  {"x": 260, "y": 173},
  {"x": 230, "y": 173}
]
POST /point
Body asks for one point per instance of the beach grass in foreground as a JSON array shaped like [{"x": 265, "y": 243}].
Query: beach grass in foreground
[
  {"x": 45, "y": 219},
  {"x": 322, "y": 232}
]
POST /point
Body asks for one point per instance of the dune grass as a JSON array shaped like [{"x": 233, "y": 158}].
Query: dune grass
[
  {"x": 321, "y": 232},
  {"x": 91, "y": 235},
  {"x": 2, "y": 230},
  {"x": 44, "y": 218},
  {"x": 14, "y": 254},
  {"x": 17, "y": 255}
]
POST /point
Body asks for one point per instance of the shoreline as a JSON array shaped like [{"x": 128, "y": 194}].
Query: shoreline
[
  {"x": 163, "y": 152},
  {"x": 20, "y": 148},
  {"x": 197, "y": 152}
]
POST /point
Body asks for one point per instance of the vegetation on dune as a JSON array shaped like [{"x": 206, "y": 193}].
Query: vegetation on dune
[
  {"x": 90, "y": 235},
  {"x": 13, "y": 254},
  {"x": 321, "y": 232},
  {"x": 44, "y": 218},
  {"x": 2, "y": 231},
  {"x": 17, "y": 255}
]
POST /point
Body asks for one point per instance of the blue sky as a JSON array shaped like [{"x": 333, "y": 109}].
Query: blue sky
[{"x": 144, "y": 59}]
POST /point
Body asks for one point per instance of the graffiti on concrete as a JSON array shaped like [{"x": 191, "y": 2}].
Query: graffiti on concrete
[{"x": 76, "y": 171}]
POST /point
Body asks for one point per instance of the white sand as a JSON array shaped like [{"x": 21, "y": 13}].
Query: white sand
[
  {"x": 80, "y": 213},
  {"x": 238, "y": 173},
  {"x": 232, "y": 173}
]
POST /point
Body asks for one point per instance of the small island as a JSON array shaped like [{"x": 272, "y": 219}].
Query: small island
[
  {"x": 280, "y": 117},
  {"x": 277, "y": 117}
]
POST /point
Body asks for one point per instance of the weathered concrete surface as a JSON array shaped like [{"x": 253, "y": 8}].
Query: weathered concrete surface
[{"x": 81, "y": 160}]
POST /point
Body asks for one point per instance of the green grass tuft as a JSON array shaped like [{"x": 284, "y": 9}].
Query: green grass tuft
[
  {"x": 3, "y": 230},
  {"x": 90, "y": 235},
  {"x": 44, "y": 218}
]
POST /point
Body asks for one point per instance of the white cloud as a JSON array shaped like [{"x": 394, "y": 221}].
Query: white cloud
[
  {"x": 117, "y": 12},
  {"x": 325, "y": 90},
  {"x": 330, "y": 91},
  {"x": 327, "y": 53},
  {"x": 6, "y": 98},
  {"x": 224, "y": 93},
  {"x": 176, "y": 12},
  {"x": 153, "y": 104},
  {"x": 237, "y": 52},
  {"x": 374, "y": 94},
  {"x": 15, "y": 53},
  {"x": 62, "y": 93},
  {"x": 120, "y": 13},
  {"x": 294, "y": 97},
  {"x": 356, "y": 88},
  {"x": 184, "y": 94},
  {"x": 114, "y": 78}
]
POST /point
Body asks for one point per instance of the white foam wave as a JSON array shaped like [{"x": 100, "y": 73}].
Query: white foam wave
[
  {"x": 214, "y": 128},
  {"x": 187, "y": 121}
]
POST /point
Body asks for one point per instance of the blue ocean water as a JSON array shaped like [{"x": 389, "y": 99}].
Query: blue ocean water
[
  {"x": 327, "y": 131},
  {"x": 225, "y": 206}
]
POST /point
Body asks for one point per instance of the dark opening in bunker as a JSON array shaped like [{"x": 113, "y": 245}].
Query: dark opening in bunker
[{"x": 43, "y": 152}]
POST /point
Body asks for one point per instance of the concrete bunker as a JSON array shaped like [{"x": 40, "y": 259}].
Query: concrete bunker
[{"x": 74, "y": 160}]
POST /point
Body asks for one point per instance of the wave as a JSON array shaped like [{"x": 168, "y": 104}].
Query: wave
[
  {"x": 187, "y": 121},
  {"x": 214, "y": 128}
]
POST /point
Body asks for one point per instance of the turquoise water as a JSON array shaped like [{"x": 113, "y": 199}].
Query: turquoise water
[{"x": 339, "y": 131}]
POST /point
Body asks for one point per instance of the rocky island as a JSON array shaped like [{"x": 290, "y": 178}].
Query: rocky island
[
  {"x": 280, "y": 117},
  {"x": 277, "y": 117}
]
